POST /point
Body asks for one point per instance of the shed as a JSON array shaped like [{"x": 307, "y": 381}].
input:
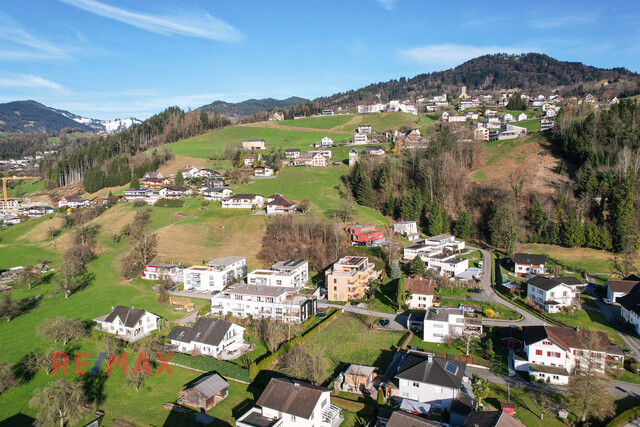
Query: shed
[{"x": 205, "y": 392}]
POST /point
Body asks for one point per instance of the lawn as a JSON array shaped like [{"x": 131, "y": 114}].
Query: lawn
[
  {"x": 325, "y": 122},
  {"x": 213, "y": 143},
  {"x": 385, "y": 298},
  {"x": 71, "y": 135},
  {"x": 22, "y": 188},
  {"x": 501, "y": 310},
  {"x": 532, "y": 125},
  {"x": 525, "y": 408},
  {"x": 383, "y": 121},
  {"x": 580, "y": 259},
  {"x": 347, "y": 340}
]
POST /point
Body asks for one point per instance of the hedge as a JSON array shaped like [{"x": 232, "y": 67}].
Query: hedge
[
  {"x": 625, "y": 417},
  {"x": 268, "y": 360},
  {"x": 206, "y": 363}
]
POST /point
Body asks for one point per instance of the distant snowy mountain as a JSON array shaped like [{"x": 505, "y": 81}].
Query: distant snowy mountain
[{"x": 109, "y": 126}]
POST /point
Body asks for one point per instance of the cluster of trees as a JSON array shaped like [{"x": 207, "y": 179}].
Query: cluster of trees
[
  {"x": 117, "y": 172},
  {"x": 321, "y": 242},
  {"x": 144, "y": 248},
  {"x": 149, "y": 165},
  {"x": 517, "y": 103}
]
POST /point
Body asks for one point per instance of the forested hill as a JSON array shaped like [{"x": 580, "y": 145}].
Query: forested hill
[
  {"x": 250, "y": 106},
  {"x": 532, "y": 73},
  {"x": 31, "y": 116}
]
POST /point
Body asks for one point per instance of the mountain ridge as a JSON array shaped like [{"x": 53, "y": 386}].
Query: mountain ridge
[{"x": 252, "y": 106}]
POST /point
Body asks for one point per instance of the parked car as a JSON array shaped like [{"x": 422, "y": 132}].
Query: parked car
[
  {"x": 475, "y": 290},
  {"x": 205, "y": 291},
  {"x": 607, "y": 301},
  {"x": 384, "y": 322},
  {"x": 191, "y": 289},
  {"x": 354, "y": 303}
]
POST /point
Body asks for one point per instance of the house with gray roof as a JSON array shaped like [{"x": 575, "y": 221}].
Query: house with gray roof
[
  {"x": 552, "y": 293},
  {"x": 425, "y": 383},
  {"x": 285, "y": 402},
  {"x": 208, "y": 336},
  {"x": 127, "y": 322}
]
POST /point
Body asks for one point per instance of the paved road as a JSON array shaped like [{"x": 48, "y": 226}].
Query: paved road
[{"x": 618, "y": 389}]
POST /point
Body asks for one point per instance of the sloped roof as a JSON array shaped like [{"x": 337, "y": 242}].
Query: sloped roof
[
  {"x": 416, "y": 367},
  {"x": 291, "y": 397},
  {"x": 205, "y": 330},
  {"x": 621, "y": 285},
  {"x": 419, "y": 285},
  {"x": 210, "y": 385},
  {"x": 544, "y": 283},
  {"x": 567, "y": 337},
  {"x": 534, "y": 259},
  {"x": 279, "y": 200},
  {"x": 491, "y": 419},
  {"x": 631, "y": 301},
  {"x": 405, "y": 419},
  {"x": 128, "y": 315}
]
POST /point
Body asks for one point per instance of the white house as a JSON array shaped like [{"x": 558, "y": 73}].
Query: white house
[
  {"x": 549, "y": 293},
  {"x": 243, "y": 201},
  {"x": 364, "y": 129},
  {"x": 262, "y": 171},
  {"x": 274, "y": 302},
  {"x": 216, "y": 194},
  {"x": 508, "y": 118},
  {"x": 207, "y": 336},
  {"x": 353, "y": 156},
  {"x": 528, "y": 264},
  {"x": 160, "y": 271},
  {"x": 327, "y": 142},
  {"x": 441, "y": 322},
  {"x": 553, "y": 352},
  {"x": 406, "y": 228},
  {"x": 360, "y": 139},
  {"x": 250, "y": 158},
  {"x": 420, "y": 292},
  {"x": 630, "y": 307},
  {"x": 204, "y": 173},
  {"x": 374, "y": 150},
  {"x": 253, "y": 144},
  {"x": 216, "y": 275},
  {"x": 619, "y": 288},
  {"x": 425, "y": 383},
  {"x": 522, "y": 116},
  {"x": 290, "y": 403},
  {"x": 437, "y": 253},
  {"x": 147, "y": 195},
  {"x": 292, "y": 153},
  {"x": 289, "y": 273},
  {"x": 72, "y": 202},
  {"x": 173, "y": 192},
  {"x": 189, "y": 171},
  {"x": 127, "y": 322}
]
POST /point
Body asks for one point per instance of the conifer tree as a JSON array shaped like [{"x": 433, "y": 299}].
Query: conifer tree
[
  {"x": 396, "y": 271},
  {"x": 401, "y": 292},
  {"x": 417, "y": 267},
  {"x": 179, "y": 178},
  {"x": 462, "y": 228},
  {"x": 622, "y": 212},
  {"x": 361, "y": 185},
  {"x": 436, "y": 220}
]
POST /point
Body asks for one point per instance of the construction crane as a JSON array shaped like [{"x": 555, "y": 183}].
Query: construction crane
[{"x": 4, "y": 188}]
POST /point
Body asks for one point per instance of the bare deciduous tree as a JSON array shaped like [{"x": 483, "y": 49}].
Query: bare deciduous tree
[{"x": 59, "y": 402}]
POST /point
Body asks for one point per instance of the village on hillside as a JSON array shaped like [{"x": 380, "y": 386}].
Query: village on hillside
[{"x": 284, "y": 306}]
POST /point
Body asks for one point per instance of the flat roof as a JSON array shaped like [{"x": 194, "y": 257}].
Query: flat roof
[
  {"x": 225, "y": 261},
  {"x": 261, "y": 290}
]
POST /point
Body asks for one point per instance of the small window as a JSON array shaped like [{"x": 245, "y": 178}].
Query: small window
[
  {"x": 451, "y": 368},
  {"x": 538, "y": 352},
  {"x": 416, "y": 384},
  {"x": 293, "y": 417}
]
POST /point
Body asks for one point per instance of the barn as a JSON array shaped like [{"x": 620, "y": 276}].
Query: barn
[{"x": 205, "y": 393}]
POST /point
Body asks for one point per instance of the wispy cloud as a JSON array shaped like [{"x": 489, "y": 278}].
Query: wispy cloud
[
  {"x": 19, "y": 44},
  {"x": 29, "y": 81},
  {"x": 193, "y": 23},
  {"x": 562, "y": 21},
  {"x": 387, "y": 4},
  {"x": 449, "y": 55}
]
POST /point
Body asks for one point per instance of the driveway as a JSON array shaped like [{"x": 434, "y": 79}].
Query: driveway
[
  {"x": 396, "y": 321},
  {"x": 489, "y": 295},
  {"x": 188, "y": 294}
]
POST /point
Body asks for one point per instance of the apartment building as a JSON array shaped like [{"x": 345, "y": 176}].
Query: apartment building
[
  {"x": 160, "y": 271},
  {"x": 215, "y": 276},
  {"x": 441, "y": 322},
  {"x": 290, "y": 273},
  {"x": 349, "y": 278},
  {"x": 275, "y": 302}
]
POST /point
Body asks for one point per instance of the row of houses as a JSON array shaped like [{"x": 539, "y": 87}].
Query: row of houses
[
  {"x": 391, "y": 106},
  {"x": 276, "y": 203},
  {"x": 151, "y": 196}
]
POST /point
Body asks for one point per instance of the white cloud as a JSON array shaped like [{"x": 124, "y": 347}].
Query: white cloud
[
  {"x": 193, "y": 23},
  {"x": 19, "y": 44},
  {"x": 562, "y": 21},
  {"x": 442, "y": 56},
  {"x": 29, "y": 81},
  {"x": 387, "y": 4}
]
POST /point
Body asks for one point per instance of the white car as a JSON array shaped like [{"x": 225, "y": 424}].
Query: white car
[{"x": 607, "y": 301}]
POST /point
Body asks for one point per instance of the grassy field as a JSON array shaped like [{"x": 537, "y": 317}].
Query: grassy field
[
  {"x": 72, "y": 135},
  {"x": 213, "y": 143},
  {"x": 348, "y": 123},
  {"x": 589, "y": 260},
  {"x": 501, "y": 310},
  {"x": 25, "y": 188},
  {"x": 326, "y": 122},
  {"x": 347, "y": 340},
  {"x": 532, "y": 125},
  {"x": 587, "y": 319}
]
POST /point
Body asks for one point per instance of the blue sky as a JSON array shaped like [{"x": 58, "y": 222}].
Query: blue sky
[{"x": 114, "y": 58}]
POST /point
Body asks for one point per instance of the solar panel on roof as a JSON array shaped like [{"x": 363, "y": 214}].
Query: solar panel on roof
[{"x": 451, "y": 368}]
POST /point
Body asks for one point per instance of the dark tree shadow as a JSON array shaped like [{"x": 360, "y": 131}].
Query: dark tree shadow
[
  {"x": 93, "y": 386},
  {"x": 23, "y": 372},
  {"x": 83, "y": 281},
  {"x": 18, "y": 419}
]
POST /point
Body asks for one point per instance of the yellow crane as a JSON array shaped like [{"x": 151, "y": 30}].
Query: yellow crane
[{"x": 4, "y": 187}]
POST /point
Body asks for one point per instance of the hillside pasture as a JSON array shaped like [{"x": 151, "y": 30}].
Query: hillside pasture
[{"x": 589, "y": 260}]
